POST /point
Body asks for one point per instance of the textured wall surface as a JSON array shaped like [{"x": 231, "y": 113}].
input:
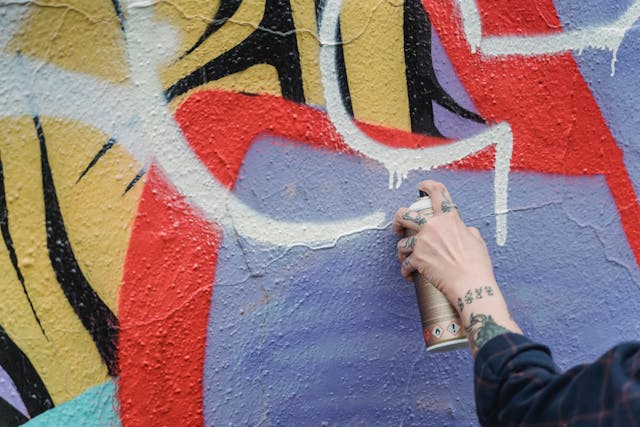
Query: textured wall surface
[{"x": 195, "y": 199}]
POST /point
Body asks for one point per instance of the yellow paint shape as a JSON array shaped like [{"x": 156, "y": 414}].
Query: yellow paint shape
[
  {"x": 304, "y": 18},
  {"x": 188, "y": 17},
  {"x": 244, "y": 22},
  {"x": 372, "y": 33},
  {"x": 77, "y": 35},
  {"x": 98, "y": 214},
  {"x": 260, "y": 79},
  {"x": 97, "y": 219}
]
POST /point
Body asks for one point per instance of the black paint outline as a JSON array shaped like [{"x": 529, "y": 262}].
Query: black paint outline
[
  {"x": 225, "y": 11},
  {"x": 8, "y": 242},
  {"x": 10, "y": 416},
  {"x": 118, "y": 9},
  {"x": 106, "y": 147},
  {"x": 95, "y": 315},
  {"x": 274, "y": 42},
  {"x": 422, "y": 82},
  {"x": 33, "y": 392},
  {"x": 135, "y": 180},
  {"x": 341, "y": 68}
]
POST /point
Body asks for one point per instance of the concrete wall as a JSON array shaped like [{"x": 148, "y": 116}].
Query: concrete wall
[{"x": 195, "y": 199}]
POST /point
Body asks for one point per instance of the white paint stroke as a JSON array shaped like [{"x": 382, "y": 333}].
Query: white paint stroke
[
  {"x": 105, "y": 106},
  {"x": 136, "y": 115},
  {"x": 185, "y": 171},
  {"x": 607, "y": 37},
  {"x": 400, "y": 161},
  {"x": 10, "y": 19},
  {"x": 471, "y": 23}
]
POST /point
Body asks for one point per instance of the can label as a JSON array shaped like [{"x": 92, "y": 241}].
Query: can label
[{"x": 441, "y": 325}]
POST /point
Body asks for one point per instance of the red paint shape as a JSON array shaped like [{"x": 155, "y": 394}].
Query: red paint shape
[
  {"x": 399, "y": 138},
  {"x": 221, "y": 126},
  {"x": 164, "y": 310},
  {"x": 170, "y": 264},
  {"x": 556, "y": 122},
  {"x": 501, "y": 17}
]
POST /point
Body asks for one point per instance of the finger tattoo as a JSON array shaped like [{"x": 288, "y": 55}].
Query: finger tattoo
[
  {"x": 446, "y": 205},
  {"x": 409, "y": 243},
  {"x": 420, "y": 220}
]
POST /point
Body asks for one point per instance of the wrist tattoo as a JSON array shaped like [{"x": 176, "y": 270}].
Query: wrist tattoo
[
  {"x": 418, "y": 219},
  {"x": 473, "y": 295},
  {"x": 481, "y": 329}
]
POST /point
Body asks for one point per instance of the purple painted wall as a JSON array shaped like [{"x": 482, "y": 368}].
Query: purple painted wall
[{"x": 196, "y": 198}]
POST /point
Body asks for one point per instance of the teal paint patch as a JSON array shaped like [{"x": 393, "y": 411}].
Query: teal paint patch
[{"x": 97, "y": 407}]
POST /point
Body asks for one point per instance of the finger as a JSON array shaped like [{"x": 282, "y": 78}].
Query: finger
[
  {"x": 406, "y": 245},
  {"x": 440, "y": 198},
  {"x": 475, "y": 232},
  {"x": 407, "y": 268},
  {"x": 407, "y": 219},
  {"x": 397, "y": 226}
]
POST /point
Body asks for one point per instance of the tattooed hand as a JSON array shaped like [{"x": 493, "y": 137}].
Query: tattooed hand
[
  {"x": 455, "y": 259},
  {"x": 447, "y": 252}
]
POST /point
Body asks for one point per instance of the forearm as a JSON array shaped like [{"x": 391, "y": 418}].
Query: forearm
[{"x": 483, "y": 311}]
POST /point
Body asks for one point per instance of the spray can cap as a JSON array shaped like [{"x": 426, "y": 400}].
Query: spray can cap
[{"x": 422, "y": 202}]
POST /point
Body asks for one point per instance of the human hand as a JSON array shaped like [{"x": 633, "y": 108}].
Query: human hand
[
  {"x": 455, "y": 259},
  {"x": 443, "y": 249}
]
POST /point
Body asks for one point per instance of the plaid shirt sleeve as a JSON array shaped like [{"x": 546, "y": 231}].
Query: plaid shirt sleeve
[{"x": 518, "y": 384}]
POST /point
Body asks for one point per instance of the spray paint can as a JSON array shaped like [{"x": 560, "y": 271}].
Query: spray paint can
[{"x": 441, "y": 325}]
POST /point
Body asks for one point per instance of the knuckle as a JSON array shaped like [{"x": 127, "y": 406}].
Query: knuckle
[
  {"x": 422, "y": 238},
  {"x": 399, "y": 214}
]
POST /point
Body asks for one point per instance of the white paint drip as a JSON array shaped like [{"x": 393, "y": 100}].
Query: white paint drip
[
  {"x": 400, "y": 161},
  {"x": 608, "y": 37}
]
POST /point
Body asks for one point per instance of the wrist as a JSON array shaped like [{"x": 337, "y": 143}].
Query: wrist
[
  {"x": 484, "y": 313},
  {"x": 467, "y": 291}
]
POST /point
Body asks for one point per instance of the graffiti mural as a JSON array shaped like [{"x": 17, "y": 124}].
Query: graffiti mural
[{"x": 195, "y": 199}]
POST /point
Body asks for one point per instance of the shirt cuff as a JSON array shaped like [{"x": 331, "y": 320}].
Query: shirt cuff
[{"x": 496, "y": 360}]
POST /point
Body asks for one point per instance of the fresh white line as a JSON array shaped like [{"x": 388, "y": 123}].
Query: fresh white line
[
  {"x": 137, "y": 116},
  {"x": 400, "y": 161},
  {"x": 185, "y": 170},
  {"x": 607, "y": 37}
]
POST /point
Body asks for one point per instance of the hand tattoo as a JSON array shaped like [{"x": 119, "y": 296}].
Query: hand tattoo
[
  {"x": 446, "y": 205},
  {"x": 482, "y": 328},
  {"x": 410, "y": 242},
  {"x": 419, "y": 219}
]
